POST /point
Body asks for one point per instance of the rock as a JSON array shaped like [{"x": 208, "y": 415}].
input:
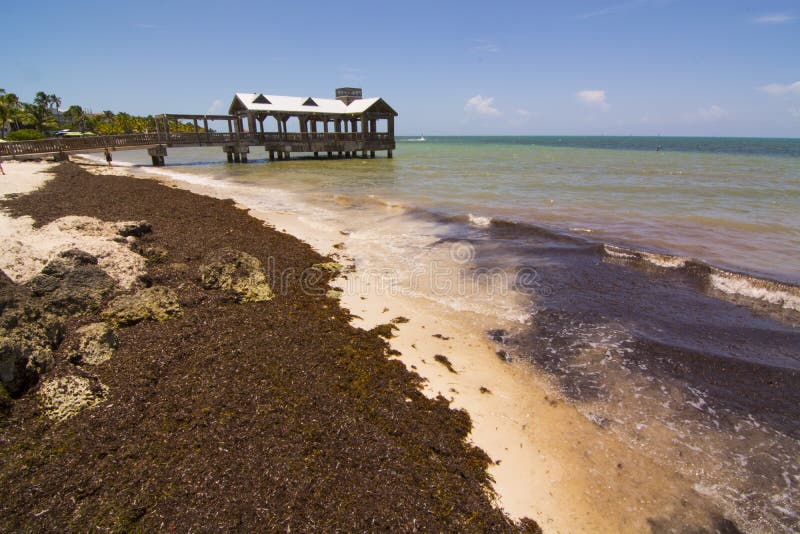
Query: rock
[
  {"x": 28, "y": 336},
  {"x": 24, "y": 355},
  {"x": 236, "y": 271},
  {"x": 155, "y": 254},
  {"x": 96, "y": 344},
  {"x": 133, "y": 228},
  {"x": 5, "y": 402},
  {"x": 156, "y": 303},
  {"x": 72, "y": 283},
  {"x": 66, "y": 396},
  {"x": 329, "y": 266}
]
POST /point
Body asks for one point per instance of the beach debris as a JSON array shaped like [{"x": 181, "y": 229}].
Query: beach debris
[
  {"x": 65, "y": 397},
  {"x": 334, "y": 293},
  {"x": 498, "y": 335},
  {"x": 236, "y": 271},
  {"x": 97, "y": 343},
  {"x": 156, "y": 303},
  {"x": 72, "y": 283},
  {"x": 133, "y": 228},
  {"x": 440, "y": 336},
  {"x": 446, "y": 362},
  {"x": 329, "y": 266},
  {"x": 485, "y": 390},
  {"x": 154, "y": 254},
  {"x": 399, "y": 320},
  {"x": 385, "y": 331},
  {"x": 503, "y": 355}
]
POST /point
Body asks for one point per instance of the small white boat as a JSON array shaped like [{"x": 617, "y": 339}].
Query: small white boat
[{"x": 418, "y": 140}]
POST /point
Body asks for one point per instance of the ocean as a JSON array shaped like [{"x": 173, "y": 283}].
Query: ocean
[{"x": 654, "y": 281}]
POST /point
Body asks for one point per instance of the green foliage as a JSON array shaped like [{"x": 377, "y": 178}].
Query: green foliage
[
  {"x": 24, "y": 135},
  {"x": 43, "y": 114}
]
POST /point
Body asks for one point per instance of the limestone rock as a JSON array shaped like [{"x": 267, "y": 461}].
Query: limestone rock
[
  {"x": 133, "y": 228},
  {"x": 156, "y": 303},
  {"x": 28, "y": 336},
  {"x": 72, "y": 283},
  {"x": 66, "y": 396},
  {"x": 235, "y": 271},
  {"x": 96, "y": 344}
]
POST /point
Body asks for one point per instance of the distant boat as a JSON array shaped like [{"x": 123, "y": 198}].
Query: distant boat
[{"x": 418, "y": 140}]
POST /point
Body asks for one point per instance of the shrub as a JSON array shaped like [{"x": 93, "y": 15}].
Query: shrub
[{"x": 24, "y": 135}]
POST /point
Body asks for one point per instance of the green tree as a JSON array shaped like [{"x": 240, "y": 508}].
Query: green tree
[
  {"x": 10, "y": 111},
  {"x": 75, "y": 118}
]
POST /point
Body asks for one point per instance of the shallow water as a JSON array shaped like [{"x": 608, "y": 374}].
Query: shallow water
[{"x": 656, "y": 289}]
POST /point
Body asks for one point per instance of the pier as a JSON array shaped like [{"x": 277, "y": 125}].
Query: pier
[{"x": 345, "y": 127}]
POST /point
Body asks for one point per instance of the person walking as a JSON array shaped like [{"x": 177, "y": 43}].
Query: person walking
[
  {"x": 1, "y": 166},
  {"x": 108, "y": 156}
]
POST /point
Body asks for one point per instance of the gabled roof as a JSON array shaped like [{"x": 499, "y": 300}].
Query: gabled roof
[{"x": 301, "y": 104}]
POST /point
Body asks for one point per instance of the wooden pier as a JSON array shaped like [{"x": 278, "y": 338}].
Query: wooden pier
[{"x": 345, "y": 127}]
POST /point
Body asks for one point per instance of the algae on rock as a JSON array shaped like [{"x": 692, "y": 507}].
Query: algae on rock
[
  {"x": 236, "y": 271},
  {"x": 156, "y": 303},
  {"x": 96, "y": 344},
  {"x": 67, "y": 396}
]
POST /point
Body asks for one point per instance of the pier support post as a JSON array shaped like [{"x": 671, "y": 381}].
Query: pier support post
[
  {"x": 272, "y": 155},
  {"x": 371, "y": 154},
  {"x": 389, "y": 154},
  {"x": 316, "y": 155},
  {"x": 330, "y": 154},
  {"x": 237, "y": 158},
  {"x": 230, "y": 156},
  {"x": 339, "y": 154},
  {"x": 157, "y": 155}
]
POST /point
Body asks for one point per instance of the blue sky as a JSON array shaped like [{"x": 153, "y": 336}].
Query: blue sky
[{"x": 616, "y": 67}]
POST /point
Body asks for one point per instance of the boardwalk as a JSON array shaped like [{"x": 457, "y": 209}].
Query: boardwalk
[{"x": 353, "y": 119}]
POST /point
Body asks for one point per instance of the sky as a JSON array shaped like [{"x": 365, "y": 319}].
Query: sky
[{"x": 607, "y": 67}]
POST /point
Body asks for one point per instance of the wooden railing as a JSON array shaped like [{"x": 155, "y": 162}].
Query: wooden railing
[{"x": 101, "y": 142}]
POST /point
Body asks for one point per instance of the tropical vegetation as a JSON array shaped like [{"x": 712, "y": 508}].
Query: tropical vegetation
[{"x": 43, "y": 117}]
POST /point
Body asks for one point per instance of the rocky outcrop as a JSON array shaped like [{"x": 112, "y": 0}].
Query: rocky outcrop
[
  {"x": 235, "y": 271},
  {"x": 66, "y": 396},
  {"x": 96, "y": 344},
  {"x": 28, "y": 335},
  {"x": 157, "y": 303},
  {"x": 72, "y": 283}
]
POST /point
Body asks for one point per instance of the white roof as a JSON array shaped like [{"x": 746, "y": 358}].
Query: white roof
[{"x": 297, "y": 104}]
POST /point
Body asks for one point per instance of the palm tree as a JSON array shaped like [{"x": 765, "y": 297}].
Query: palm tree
[{"x": 9, "y": 110}]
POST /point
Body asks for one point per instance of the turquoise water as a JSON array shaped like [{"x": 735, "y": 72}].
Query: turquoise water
[{"x": 732, "y": 202}]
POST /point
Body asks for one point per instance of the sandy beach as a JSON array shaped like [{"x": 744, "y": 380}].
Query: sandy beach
[{"x": 548, "y": 462}]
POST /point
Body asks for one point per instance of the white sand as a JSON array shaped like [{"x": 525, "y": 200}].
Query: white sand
[{"x": 25, "y": 250}]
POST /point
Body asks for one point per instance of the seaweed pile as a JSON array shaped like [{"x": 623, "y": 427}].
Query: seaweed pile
[{"x": 270, "y": 413}]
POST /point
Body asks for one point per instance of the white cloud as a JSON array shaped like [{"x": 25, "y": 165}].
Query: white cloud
[
  {"x": 482, "y": 106},
  {"x": 794, "y": 112},
  {"x": 709, "y": 114},
  {"x": 780, "y": 89},
  {"x": 483, "y": 46},
  {"x": 522, "y": 113},
  {"x": 216, "y": 107},
  {"x": 774, "y": 18},
  {"x": 594, "y": 98}
]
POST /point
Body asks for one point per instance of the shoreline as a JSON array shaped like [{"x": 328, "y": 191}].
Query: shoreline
[
  {"x": 160, "y": 424},
  {"x": 572, "y": 461}
]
